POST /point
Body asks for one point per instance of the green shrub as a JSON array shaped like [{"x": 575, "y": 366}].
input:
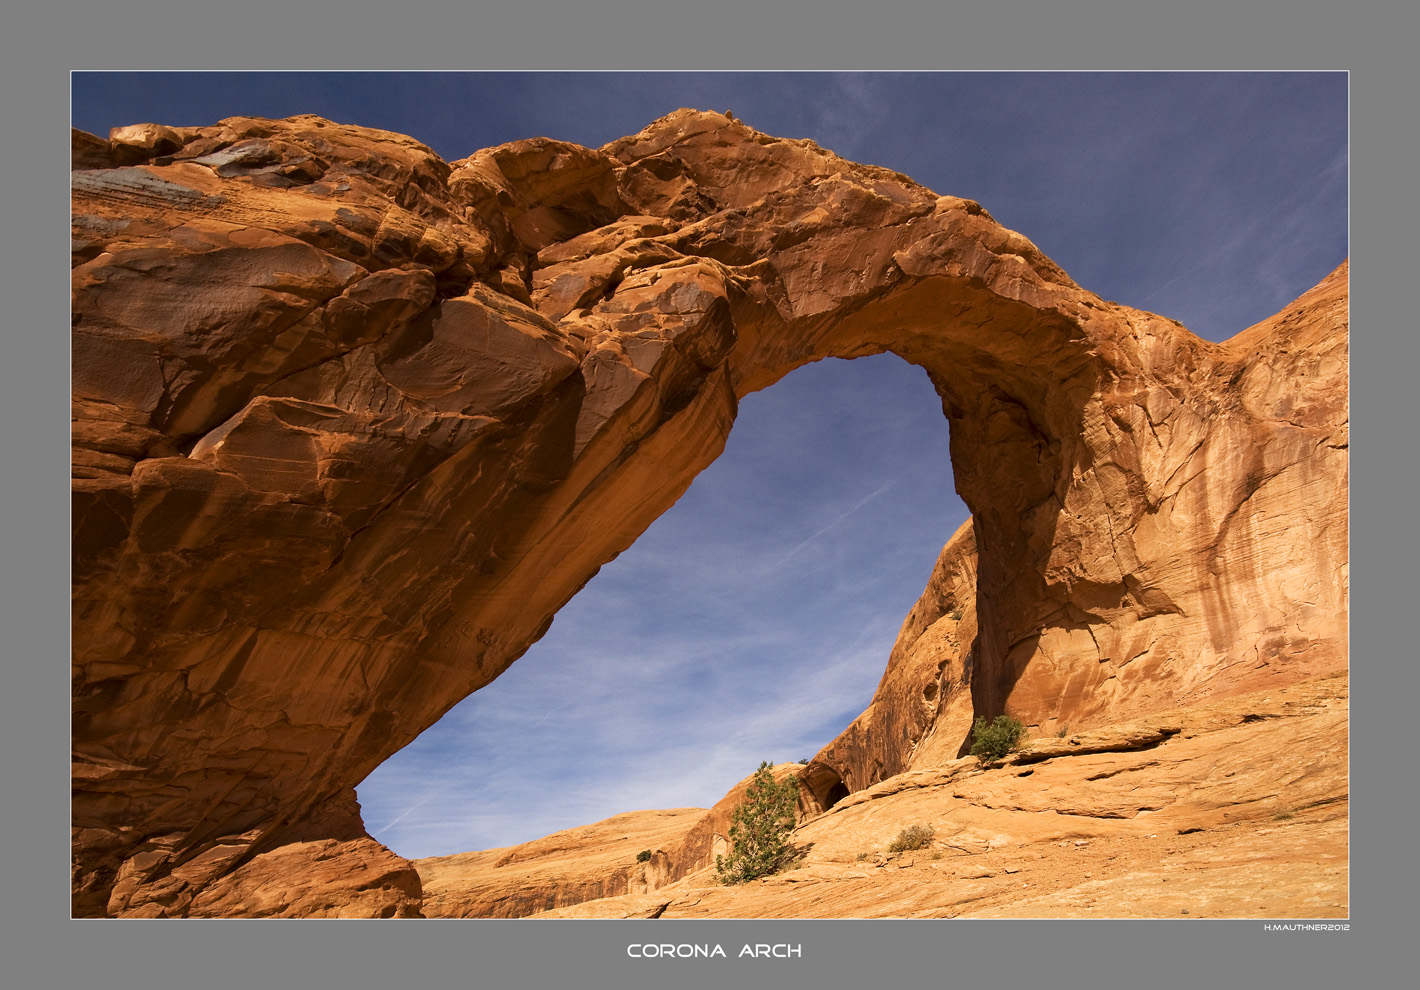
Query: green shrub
[
  {"x": 644, "y": 856},
  {"x": 759, "y": 829},
  {"x": 912, "y": 837},
  {"x": 994, "y": 741}
]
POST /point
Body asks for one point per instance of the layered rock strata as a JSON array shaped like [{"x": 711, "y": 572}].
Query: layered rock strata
[{"x": 352, "y": 423}]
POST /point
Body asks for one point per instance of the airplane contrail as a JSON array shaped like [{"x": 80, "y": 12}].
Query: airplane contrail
[
  {"x": 400, "y": 818},
  {"x": 836, "y": 520}
]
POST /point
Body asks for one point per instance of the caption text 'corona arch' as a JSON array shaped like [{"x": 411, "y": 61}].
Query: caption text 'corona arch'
[{"x": 687, "y": 950}]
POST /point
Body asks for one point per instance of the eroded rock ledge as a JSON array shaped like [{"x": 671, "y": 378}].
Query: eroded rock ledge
[{"x": 351, "y": 424}]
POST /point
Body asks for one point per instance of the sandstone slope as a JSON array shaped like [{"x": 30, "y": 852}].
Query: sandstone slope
[
  {"x": 1227, "y": 809},
  {"x": 588, "y": 863},
  {"x": 351, "y": 423}
]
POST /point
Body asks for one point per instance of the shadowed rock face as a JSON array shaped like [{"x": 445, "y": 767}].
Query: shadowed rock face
[{"x": 351, "y": 423}]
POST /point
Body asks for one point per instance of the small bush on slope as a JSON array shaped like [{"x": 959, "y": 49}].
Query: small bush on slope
[{"x": 995, "y": 741}]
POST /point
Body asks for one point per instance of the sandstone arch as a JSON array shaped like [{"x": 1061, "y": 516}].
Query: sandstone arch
[{"x": 352, "y": 423}]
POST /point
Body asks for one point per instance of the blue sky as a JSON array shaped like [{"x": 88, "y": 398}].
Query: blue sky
[{"x": 753, "y": 620}]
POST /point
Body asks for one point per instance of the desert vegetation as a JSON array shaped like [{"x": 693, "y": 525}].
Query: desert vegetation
[
  {"x": 759, "y": 830},
  {"x": 912, "y": 837},
  {"x": 997, "y": 740}
]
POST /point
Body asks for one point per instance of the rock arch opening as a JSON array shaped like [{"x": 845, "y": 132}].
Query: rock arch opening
[{"x": 751, "y": 621}]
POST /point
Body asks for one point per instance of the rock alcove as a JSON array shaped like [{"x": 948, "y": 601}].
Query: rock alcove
[
  {"x": 822, "y": 789},
  {"x": 352, "y": 423}
]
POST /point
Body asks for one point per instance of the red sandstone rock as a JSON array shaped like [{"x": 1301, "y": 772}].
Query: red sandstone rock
[{"x": 351, "y": 423}]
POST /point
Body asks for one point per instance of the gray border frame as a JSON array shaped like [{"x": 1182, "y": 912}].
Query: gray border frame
[{"x": 42, "y": 44}]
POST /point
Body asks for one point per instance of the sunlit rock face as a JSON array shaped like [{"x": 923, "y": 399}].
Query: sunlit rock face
[{"x": 351, "y": 424}]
